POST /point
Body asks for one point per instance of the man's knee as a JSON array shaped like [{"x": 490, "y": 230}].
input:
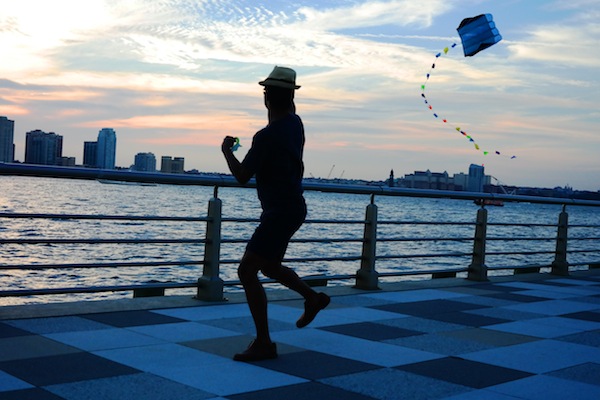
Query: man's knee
[
  {"x": 248, "y": 268},
  {"x": 246, "y": 272},
  {"x": 271, "y": 269}
]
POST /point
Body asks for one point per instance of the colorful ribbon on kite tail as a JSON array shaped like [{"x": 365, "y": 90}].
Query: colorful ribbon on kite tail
[{"x": 444, "y": 120}]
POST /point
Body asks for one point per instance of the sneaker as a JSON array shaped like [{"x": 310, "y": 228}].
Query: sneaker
[
  {"x": 257, "y": 352},
  {"x": 311, "y": 310}
]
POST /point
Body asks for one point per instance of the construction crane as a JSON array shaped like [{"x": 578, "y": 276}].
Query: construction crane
[
  {"x": 501, "y": 186},
  {"x": 330, "y": 171}
]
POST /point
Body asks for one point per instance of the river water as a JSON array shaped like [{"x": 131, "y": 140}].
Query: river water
[{"x": 65, "y": 196}]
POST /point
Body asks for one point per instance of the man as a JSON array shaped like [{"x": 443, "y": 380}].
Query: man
[{"x": 276, "y": 159}]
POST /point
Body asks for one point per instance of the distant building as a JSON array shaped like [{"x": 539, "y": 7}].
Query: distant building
[
  {"x": 65, "y": 161},
  {"x": 429, "y": 180},
  {"x": 43, "y": 148},
  {"x": 107, "y": 149},
  {"x": 460, "y": 181},
  {"x": 145, "y": 162},
  {"x": 7, "y": 134},
  {"x": 90, "y": 154},
  {"x": 476, "y": 178},
  {"x": 172, "y": 165}
]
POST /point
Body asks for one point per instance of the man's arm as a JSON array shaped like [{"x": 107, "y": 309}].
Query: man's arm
[{"x": 235, "y": 166}]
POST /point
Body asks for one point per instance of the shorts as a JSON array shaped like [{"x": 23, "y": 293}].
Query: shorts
[{"x": 272, "y": 236}]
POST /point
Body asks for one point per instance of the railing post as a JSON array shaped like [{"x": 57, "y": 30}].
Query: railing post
[
  {"x": 478, "y": 270},
  {"x": 560, "y": 265},
  {"x": 367, "y": 277},
  {"x": 210, "y": 285}
]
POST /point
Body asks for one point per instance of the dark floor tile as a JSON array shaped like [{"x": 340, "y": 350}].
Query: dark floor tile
[
  {"x": 497, "y": 288},
  {"x": 304, "y": 391},
  {"x": 64, "y": 368},
  {"x": 590, "y": 338},
  {"x": 468, "y": 319},
  {"x": 7, "y": 331},
  {"x": 516, "y": 297},
  {"x": 371, "y": 331},
  {"x": 230, "y": 345},
  {"x": 314, "y": 365},
  {"x": 464, "y": 372},
  {"x": 587, "y": 373},
  {"x": 29, "y": 394},
  {"x": 584, "y": 315},
  {"x": 428, "y": 307},
  {"x": 122, "y": 319}
]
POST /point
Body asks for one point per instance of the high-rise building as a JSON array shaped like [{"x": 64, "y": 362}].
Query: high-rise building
[
  {"x": 177, "y": 165},
  {"x": 43, "y": 148},
  {"x": 172, "y": 165},
  {"x": 145, "y": 162},
  {"x": 476, "y": 178},
  {"x": 7, "y": 134},
  {"x": 90, "y": 154},
  {"x": 107, "y": 148}
]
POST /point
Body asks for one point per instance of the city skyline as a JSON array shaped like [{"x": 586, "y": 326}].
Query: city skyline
[{"x": 176, "y": 77}]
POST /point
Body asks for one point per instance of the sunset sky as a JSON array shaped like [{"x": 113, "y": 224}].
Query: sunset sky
[{"x": 173, "y": 77}]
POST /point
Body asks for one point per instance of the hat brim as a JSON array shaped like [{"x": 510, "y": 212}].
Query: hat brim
[{"x": 278, "y": 83}]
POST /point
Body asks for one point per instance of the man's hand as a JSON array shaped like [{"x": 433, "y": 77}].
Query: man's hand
[{"x": 228, "y": 143}]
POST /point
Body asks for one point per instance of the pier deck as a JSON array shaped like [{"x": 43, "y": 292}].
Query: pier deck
[{"x": 533, "y": 336}]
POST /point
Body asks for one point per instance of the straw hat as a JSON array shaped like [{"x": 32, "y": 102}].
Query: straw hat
[{"x": 281, "y": 77}]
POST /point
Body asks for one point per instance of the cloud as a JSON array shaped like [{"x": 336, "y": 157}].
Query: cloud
[{"x": 372, "y": 13}]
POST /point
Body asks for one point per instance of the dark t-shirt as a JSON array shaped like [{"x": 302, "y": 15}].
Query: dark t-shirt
[{"x": 275, "y": 158}]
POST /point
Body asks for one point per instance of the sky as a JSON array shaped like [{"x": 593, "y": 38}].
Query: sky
[{"x": 173, "y": 77}]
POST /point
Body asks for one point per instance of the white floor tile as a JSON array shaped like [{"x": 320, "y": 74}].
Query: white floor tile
[
  {"x": 531, "y": 328},
  {"x": 553, "y": 307},
  {"x": 368, "y": 351},
  {"x": 546, "y": 294},
  {"x": 203, "y": 313},
  {"x": 410, "y": 296},
  {"x": 104, "y": 339},
  {"x": 537, "y": 357},
  {"x": 332, "y": 316},
  {"x": 198, "y": 369},
  {"x": 183, "y": 331},
  {"x": 543, "y": 387}
]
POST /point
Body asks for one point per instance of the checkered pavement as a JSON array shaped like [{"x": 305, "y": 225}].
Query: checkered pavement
[{"x": 517, "y": 338}]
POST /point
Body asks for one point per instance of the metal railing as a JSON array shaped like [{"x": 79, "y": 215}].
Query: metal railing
[{"x": 210, "y": 285}]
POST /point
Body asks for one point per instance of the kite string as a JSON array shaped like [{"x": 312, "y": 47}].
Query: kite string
[{"x": 430, "y": 107}]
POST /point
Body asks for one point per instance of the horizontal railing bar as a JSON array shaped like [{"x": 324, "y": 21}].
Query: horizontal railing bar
[
  {"x": 244, "y": 240},
  {"x": 523, "y": 224},
  {"x": 94, "y": 289},
  {"x": 308, "y": 221},
  {"x": 459, "y": 239},
  {"x": 384, "y": 222},
  {"x": 103, "y": 217},
  {"x": 102, "y": 241},
  {"x": 433, "y": 255},
  {"x": 303, "y": 240},
  {"x": 521, "y": 267},
  {"x": 421, "y": 272},
  {"x": 522, "y": 253},
  {"x": 518, "y": 239},
  {"x": 100, "y": 265},
  {"x": 301, "y": 260},
  {"x": 431, "y": 239},
  {"x": 584, "y": 251}
]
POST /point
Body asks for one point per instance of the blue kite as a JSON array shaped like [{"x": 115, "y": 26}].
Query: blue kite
[{"x": 478, "y": 33}]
